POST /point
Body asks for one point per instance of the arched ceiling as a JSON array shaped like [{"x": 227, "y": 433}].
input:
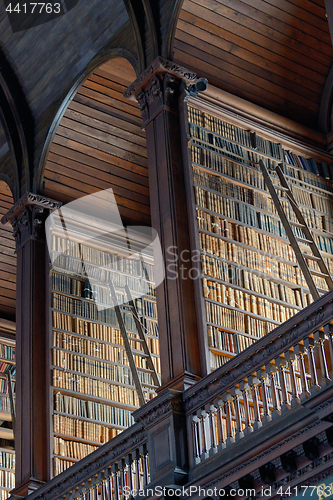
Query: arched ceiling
[
  {"x": 99, "y": 144},
  {"x": 274, "y": 53}
]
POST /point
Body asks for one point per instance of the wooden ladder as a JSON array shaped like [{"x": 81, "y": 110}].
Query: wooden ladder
[
  {"x": 145, "y": 353},
  {"x": 294, "y": 239}
]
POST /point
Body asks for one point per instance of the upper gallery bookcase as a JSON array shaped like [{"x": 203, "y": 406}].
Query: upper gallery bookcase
[
  {"x": 93, "y": 383},
  {"x": 251, "y": 280}
]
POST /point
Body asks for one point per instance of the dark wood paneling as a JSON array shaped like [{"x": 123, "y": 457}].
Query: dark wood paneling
[
  {"x": 274, "y": 53},
  {"x": 7, "y": 258},
  {"x": 99, "y": 144}
]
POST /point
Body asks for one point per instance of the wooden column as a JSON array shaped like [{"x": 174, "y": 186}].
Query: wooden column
[
  {"x": 158, "y": 92},
  {"x": 32, "y": 376},
  {"x": 329, "y": 15}
]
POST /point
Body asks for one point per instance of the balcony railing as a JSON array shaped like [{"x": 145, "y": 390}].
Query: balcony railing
[
  {"x": 286, "y": 369},
  {"x": 104, "y": 474}
]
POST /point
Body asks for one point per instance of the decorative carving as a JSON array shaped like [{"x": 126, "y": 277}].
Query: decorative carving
[
  {"x": 159, "y": 65},
  {"x": 28, "y": 215}
]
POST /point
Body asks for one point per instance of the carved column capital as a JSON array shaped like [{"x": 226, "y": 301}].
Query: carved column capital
[
  {"x": 27, "y": 216},
  {"x": 158, "y": 86}
]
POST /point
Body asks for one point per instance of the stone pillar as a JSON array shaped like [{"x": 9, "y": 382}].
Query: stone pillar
[
  {"x": 158, "y": 91},
  {"x": 27, "y": 217}
]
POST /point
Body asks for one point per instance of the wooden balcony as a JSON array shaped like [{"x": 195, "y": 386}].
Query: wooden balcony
[{"x": 263, "y": 420}]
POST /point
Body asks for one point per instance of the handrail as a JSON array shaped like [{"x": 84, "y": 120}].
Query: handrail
[
  {"x": 275, "y": 374},
  {"x": 119, "y": 462}
]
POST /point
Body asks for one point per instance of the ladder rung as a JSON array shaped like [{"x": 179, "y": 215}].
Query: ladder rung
[
  {"x": 318, "y": 273},
  {"x": 280, "y": 187},
  {"x": 137, "y": 352},
  {"x": 312, "y": 257},
  {"x": 296, "y": 224},
  {"x": 149, "y": 386},
  {"x": 136, "y": 339},
  {"x": 304, "y": 240}
]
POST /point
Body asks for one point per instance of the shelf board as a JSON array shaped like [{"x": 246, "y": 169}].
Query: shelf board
[
  {"x": 97, "y": 399},
  {"x": 86, "y": 419},
  {"x": 65, "y": 437},
  {"x": 252, "y": 292}
]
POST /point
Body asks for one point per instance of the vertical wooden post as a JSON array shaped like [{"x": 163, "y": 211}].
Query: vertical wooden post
[
  {"x": 158, "y": 93},
  {"x": 27, "y": 217}
]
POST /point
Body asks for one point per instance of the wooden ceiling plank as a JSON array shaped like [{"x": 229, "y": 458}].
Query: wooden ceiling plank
[
  {"x": 91, "y": 131},
  {"x": 236, "y": 86},
  {"x": 60, "y": 154},
  {"x": 253, "y": 53},
  {"x": 317, "y": 31},
  {"x": 7, "y": 276},
  {"x": 310, "y": 6},
  {"x": 106, "y": 108},
  {"x": 251, "y": 78},
  {"x": 110, "y": 97},
  {"x": 299, "y": 10},
  {"x": 259, "y": 21},
  {"x": 249, "y": 70},
  {"x": 113, "y": 86},
  {"x": 124, "y": 129},
  {"x": 85, "y": 140},
  {"x": 102, "y": 155},
  {"x": 134, "y": 192},
  {"x": 125, "y": 178},
  {"x": 8, "y": 285},
  {"x": 73, "y": 192},
  {"x": 257, "y": 37}
]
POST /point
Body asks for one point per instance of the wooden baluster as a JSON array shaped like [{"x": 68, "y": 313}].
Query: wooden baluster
[
  {"x": 245, "y": 391},
  {"x": 222, "y": 437},
  {"x": 196, "y": 439},
  {"x": 328, "y": 330},
  {"x": 325, "y": 378},
  {"x": 144, "y": 454},
  {"x": 103, "y": 490},
  {"x": 138, "y": 482},
  {"x": 211, "y": 412},
  {"x": 264, "y": 389},
  {"x": 281, "y": 364},
  {"x": 300, "y": 351},
  {"x": 129, "y": 462},
  {"x": 95, "y": 494},
  {"x": 204, "y": 445},
  {"x": 227, "y": 401},
  {"x": 109, "y": 487},
  {"x": 291, "y": 360},
  {"x": 235, "y": 393},
  {"x": 271, "y": 370},
  {"x": 115, "y": 477},
  {"x": 309, "y": 344},
  {"x": 254, "y": 382}
]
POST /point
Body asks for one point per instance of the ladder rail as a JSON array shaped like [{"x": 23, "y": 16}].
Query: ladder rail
[
  {"x": 306, "y": 230},
  {"x": 142, "y": 337},
  {"x": 127, "y": 345},
  {"x": 291, "y": 236},
  {"x": 12, "y": 400}
]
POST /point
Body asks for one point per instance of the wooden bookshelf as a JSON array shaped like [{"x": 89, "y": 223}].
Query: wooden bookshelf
[
  {"x": 7, "y": 453},
  {"x": 250, "y": 278},
  {"x": 93, "y": 389}
]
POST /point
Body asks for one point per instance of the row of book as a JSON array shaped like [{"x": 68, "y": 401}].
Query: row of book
[
  {"x": 249, "y": 196},
  {"x": 7, "y": 460},
  {"x": 247, "y": 302},
  {"x": 7, "y": 352},
  {"x": 89, "y": 431},
  {"x": 5, "y": 404},
  {"x": 239, "y": 321},
  {"x": 263, "y": 263},
  {"x": 72, "y": 449},
  {"x": 242, "y": 278},
  {"x": 90, "y": 254},
  {"x": 95, "y": 388},
  {"x": 4, "y": 386},
  {"x": 60, "y": 465},
  {"x": 229, "y": 342},
  {"x": 245, "y": 235},
  {"x": 259, "y": 143},
  {"x": 315, "y": 168},
  {"x": 7, "y": 479},
  {"x": 80, "y": 307},
  {"x": 92, "y": 410}
]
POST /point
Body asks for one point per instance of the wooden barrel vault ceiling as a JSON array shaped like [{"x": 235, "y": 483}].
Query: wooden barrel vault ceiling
[
  {"x": 7, "y": 258},
  {"x": 274, "y": 53},
  {"x": 99, "y": 144}
]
